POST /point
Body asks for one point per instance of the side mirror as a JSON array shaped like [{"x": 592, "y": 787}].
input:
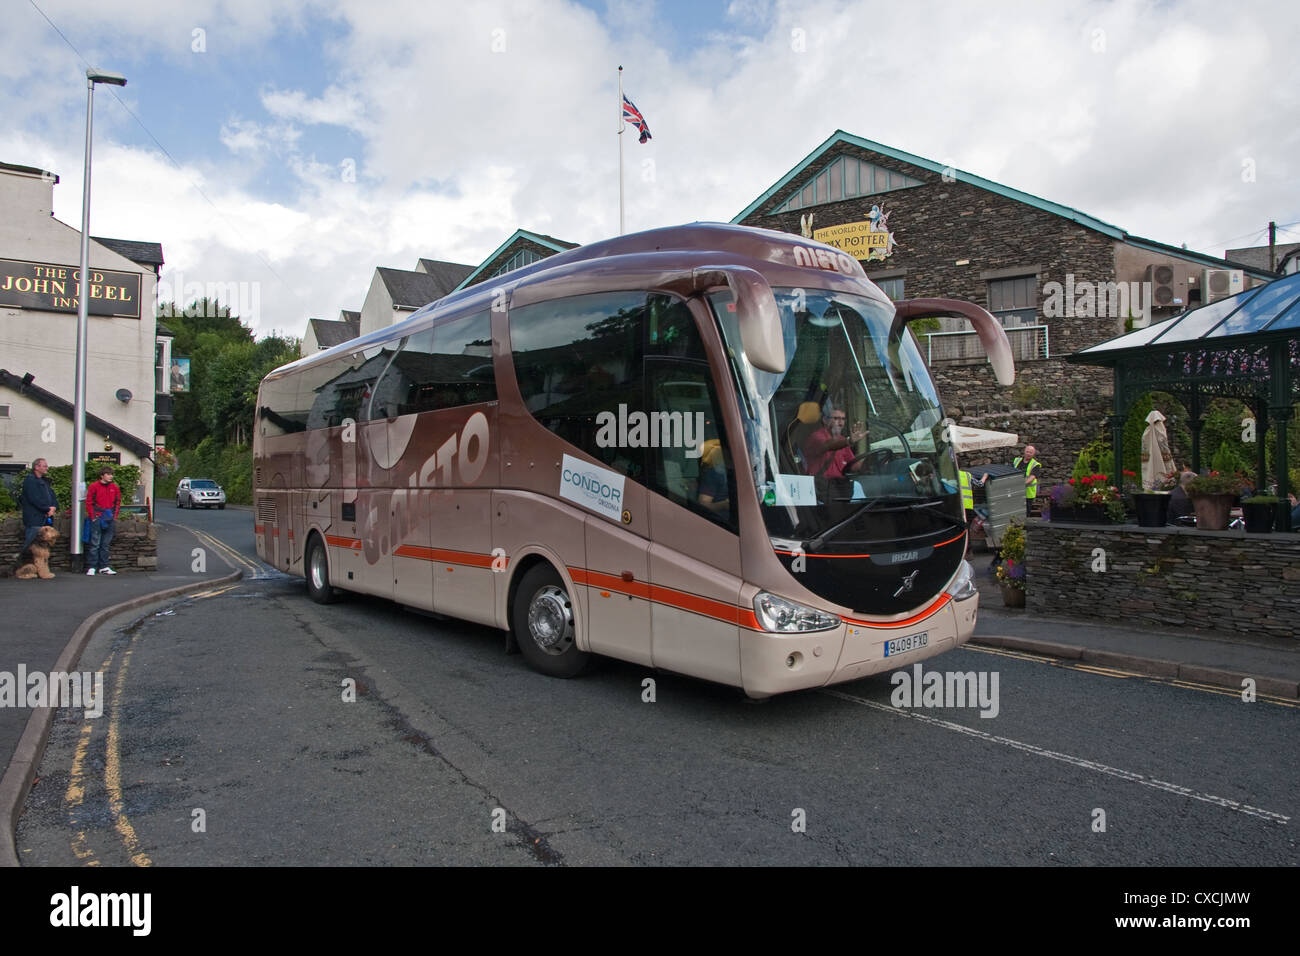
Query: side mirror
[
  {"x": 759, "y": 316},
  {"x": 989, "y": 329}
]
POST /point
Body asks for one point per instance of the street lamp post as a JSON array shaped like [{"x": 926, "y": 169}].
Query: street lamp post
[{"x": 83, "y": 305}]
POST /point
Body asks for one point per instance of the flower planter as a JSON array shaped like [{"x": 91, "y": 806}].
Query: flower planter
[
  {"x": 1152, "y": 509},
  {"x": 1259, "y": 516},
  {"x": 1012, "y": 597},
  {"x": 1212, "y": 511}
]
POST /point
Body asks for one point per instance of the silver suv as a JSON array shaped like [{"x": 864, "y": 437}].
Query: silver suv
[{"x": 195, "y": 492}]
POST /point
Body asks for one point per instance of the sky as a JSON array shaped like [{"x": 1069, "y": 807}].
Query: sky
[{"x": 285, "y": 148}]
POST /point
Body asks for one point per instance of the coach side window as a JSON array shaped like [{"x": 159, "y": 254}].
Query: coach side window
[
  {"x": 443, "y": 367},
  {"x": 579, "y": 364}
]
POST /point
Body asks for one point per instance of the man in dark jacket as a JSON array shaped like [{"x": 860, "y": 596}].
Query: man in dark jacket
[{"x": 38, "y": 501}]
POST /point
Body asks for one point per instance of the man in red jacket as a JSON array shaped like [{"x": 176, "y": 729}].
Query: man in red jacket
[{"x": 103, "y": 501}]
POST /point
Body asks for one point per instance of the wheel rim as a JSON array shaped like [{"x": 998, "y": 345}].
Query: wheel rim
[
  {"x": 550, "y": 620},
  {"x": 318, "y": 568}
]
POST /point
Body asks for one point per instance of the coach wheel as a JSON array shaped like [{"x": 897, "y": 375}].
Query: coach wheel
[
  {"x": 543, "y": 621},
  {"x": 179, "y": 506},
  {"x": 318, "y": 574}
]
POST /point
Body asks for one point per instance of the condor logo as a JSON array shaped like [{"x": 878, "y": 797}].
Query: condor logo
[{"x": 827, "y": 259}]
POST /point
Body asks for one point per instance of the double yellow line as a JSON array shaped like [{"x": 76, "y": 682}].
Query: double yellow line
[{"x": 251, "y": 568}]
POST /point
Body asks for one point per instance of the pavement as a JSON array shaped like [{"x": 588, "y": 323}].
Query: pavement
[{"x": 45, "y": 625}]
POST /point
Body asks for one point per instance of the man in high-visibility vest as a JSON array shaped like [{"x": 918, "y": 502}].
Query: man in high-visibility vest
[
  {"x": 968, "y": 482},
  {"x": 1030, "y": 465}
]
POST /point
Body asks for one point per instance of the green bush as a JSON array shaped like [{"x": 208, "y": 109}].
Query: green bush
[
  {"x": 7, "y": 502},
  {"x": 127, "y": 477},
  {"x": 1226, "y": 460}
]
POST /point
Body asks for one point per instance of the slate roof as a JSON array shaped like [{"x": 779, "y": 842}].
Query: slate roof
[
  {"x": 63, "y": 407},
  {"x": 144, "y": 253},
  {"x": 332, "y": 332},
  {"x": 409, "y": 290},
  {"x": 447, "y": 275},
  {"x": 807, "y": 166}
]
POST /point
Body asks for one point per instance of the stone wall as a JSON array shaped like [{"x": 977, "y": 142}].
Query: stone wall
[
  {"x": 1227, "y": 581},
  {"x": 134, "y": 547}
]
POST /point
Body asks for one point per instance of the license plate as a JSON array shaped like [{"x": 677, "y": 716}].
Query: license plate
[{"x": 901, "y": 645}]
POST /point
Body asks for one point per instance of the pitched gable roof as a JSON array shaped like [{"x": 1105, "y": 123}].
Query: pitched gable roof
[
  {"x": 409, "y": 290},
  {"x": 447, "y": 275},
  {"x": 143, "y": 253},
  {"x": 332, "y": 332},
  {"x": 62, "y": 406},
  {"x": 537, "y": 238},
  {"x": 809, "y": 165}
]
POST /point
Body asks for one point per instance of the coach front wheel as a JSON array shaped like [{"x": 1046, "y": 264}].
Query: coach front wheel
[
  {"x": 318, "y": 574},
  {"x": 542, "y": 617}
]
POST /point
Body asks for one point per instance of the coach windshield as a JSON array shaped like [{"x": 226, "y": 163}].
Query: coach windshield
[{"x": 848, "y": 444}]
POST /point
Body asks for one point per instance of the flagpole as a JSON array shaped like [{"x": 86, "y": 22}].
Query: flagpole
[{"x": 621, "y": 126}]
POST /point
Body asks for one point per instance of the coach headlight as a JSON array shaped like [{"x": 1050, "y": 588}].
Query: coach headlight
[
  {"x": 786, "y": 617},
  {"x": 963, "y": 585}
]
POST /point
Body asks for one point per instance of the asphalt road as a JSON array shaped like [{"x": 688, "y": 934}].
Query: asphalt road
[{"x": 228, "y": 739}]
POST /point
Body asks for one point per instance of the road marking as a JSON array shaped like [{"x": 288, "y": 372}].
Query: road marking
[
  {"x": 1123, "y": 674},
  {"x": 1068, "y": 758},
  {"x": 113, "y": 767},
  {"x": 75, "y": 795},
  {"x": 256, "y": 569}
]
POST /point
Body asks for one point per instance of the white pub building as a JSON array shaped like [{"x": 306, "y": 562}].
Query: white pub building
[{"x": 128, "y": 353}]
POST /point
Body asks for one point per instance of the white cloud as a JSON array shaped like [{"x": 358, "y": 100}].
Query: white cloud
[{"x": 471, "y": 123}]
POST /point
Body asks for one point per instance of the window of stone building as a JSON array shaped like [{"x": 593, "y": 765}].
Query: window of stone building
[
  {"x": 891, "y": 287},
  {"x": 523, "y": 257},
  {"x": 1015, "y": 300},
  {"x": 844, "y": 178}
]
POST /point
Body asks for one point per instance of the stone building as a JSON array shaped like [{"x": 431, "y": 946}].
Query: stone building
[{"x": 1058, "y": 278}]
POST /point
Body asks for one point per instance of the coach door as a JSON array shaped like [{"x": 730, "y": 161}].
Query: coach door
[{"x": 695, "y": 555}]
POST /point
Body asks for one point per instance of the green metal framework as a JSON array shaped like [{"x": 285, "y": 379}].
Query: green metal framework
[{"x": 1246, "y": 347}]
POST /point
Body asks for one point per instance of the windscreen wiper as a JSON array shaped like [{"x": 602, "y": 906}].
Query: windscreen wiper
[{"x": 815, "y": 544}]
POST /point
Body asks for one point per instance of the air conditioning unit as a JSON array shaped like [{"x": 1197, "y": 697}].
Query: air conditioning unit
[
  {"x": 1220, "y": 283},
  {"x": 1167, "y": 285}
]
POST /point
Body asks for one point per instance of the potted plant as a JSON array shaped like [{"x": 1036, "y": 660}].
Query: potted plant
[
  {"x": 1213, "y": 496},
  {"x": 1012, "y": 577},
  {"x": 1091, "y": 499},
  {"x": 1260, "y": 512},
  {"x": 1153, "y": 506}
]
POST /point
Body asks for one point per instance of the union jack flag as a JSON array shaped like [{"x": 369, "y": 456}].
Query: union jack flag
[{"x": 633, "y": 115}]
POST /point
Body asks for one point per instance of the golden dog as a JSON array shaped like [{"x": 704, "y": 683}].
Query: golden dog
[{"x": 40, "y": 551}]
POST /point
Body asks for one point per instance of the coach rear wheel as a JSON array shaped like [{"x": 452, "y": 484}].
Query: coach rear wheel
[
  {"x": 318, "y": 574},
  {"x": 543, "y": 621}
]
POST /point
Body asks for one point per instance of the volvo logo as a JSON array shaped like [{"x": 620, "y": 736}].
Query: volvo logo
[{"x": 907, "y": 582}]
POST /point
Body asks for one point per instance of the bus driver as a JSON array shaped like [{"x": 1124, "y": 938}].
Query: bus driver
[{"x": 826, "y": 452}]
